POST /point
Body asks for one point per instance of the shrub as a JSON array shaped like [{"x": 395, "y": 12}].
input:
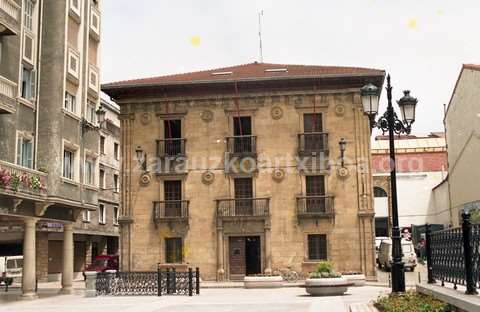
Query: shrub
[
  {"x": 411, "y": 302},
  {"x": 325, "y": 270}
]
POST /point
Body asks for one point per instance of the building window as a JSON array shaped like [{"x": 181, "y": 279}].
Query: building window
[
  {"x": 173, "y": 250},
  {"x": 75, "y": 6},
  {"x": 25, "y": 152},
  {"x": 101, "y": 214},
  {"x": 28, "y": 14},
  {"x": 379, "y": 192},
  {"x": 73, "y": 63},
  {"x": 102, "y": 179},
  {"x": 28, "y": 84},
  {"x": 317, "y": 247},
  {"x": 115, "y": 183},
  {"x": 115, "y": 215},
  {"x": 115, "y": 150},
  {"x": 381, "y": 227},
  {"x": 102, "y": 145},
  {"x": 89, "y": 170},
  {"x": 312, "y": 123},
  {"x": 70, "y": 102},
  {"x": 90, "y": 114},
  {"x": 68, "y": 164},
  {"x": 86, "y": 216}
]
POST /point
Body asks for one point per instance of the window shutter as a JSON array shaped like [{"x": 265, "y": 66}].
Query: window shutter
[
  {"x": 19, "y": 151},
  {"x": 29, "y": 145},
  {"x": 33, "y": 84}
]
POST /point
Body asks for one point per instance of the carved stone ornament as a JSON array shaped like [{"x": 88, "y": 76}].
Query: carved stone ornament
[
  {"x": 208, "y": 177},
  {"x": 207, "y": 115},
  {"x": 145, "y": 118},
  {"x": 278, "y": 175},
  {"x": 145, "y": 179},
  {"x": 276, "y": 112},
  {"x": 343, "y": 172},
  {"x": 340, "y": 109}
]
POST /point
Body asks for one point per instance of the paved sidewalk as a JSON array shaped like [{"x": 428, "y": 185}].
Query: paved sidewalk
[{"x": 210, "y": 300}]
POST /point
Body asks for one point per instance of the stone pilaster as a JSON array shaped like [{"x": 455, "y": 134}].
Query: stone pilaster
[
  {"x": 42, "y": 256},
  {"x": 67, "y": 273}
]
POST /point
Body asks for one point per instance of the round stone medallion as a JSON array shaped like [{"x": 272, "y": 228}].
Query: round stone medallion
[
  {"x": 276, "y": 112},
  {"x": 145, "y": 118},
  {"x": 278, "y": 175},
  {"x": 343, "y": 172},
  {"x": 207, "y": 115},
  {"x": 208, "y": 177},
  {"x": 145, "y": 179},
  {"x": 340, "y": 109}
]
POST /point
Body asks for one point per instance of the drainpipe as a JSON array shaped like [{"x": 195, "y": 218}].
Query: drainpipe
[{"x": 37, "y": 82}]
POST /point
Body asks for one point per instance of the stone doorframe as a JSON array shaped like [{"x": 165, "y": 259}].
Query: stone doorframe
[{"x": 225, "y": 230}]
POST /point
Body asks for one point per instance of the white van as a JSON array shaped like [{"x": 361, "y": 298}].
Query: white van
[
  {"x": 385, "y": 255},
  {"x": 11, "y": 269}
]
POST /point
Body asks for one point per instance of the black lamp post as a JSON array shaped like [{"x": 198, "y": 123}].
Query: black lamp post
[{"x": 390, "y": 122}]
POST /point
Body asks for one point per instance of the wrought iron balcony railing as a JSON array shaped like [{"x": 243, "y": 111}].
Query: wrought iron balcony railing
[
  {"x": 242, "y": 145},
  {"x": 315, "y": 206},
  {"x": 17, "y": 179},
  {"x": 8, "y": 95},
  {"x": 170, "y": 210},
  {"x": 312, "y": 142},
  {"x": 243, "y": 207},
  {"x": 171, "y": 147}
]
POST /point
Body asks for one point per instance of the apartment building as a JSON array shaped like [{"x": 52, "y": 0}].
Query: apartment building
[
  {"x": 49, "y": 138},
  {"x": 239, "y": 170}
]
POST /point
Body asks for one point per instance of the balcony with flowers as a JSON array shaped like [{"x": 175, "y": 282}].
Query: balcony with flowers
[{"x": 20, "y": 181}]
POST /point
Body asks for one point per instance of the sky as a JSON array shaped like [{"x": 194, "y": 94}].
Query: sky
[{"x": 422, "y": 44}]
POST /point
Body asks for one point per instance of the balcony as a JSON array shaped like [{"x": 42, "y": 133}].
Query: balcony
[
  {"x": 8, "y": 95},
  {"x": 312, "y": 143},
  {"x": 242, "y": 145},
  {"x": 243, "y": 208},
  {"x": 9, "y": 17},
  {"x": 24, "y": 182},
  {"x": 170, "y": 210},
  {"x": 171, "y": 148},
  {"x": 315, "y": 207}
]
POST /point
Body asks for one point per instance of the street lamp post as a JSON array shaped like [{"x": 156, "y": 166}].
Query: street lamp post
[{"x": 391, "y": 123}]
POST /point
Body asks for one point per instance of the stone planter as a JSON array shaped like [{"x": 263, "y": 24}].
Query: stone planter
[
  {"x": 263, "y": 281},
  {"x": 327, "y": 286},
  {"x": 355, "y": 279}
]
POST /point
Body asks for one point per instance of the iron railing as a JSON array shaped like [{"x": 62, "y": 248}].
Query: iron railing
[
  {"x": 453, "y": 255},
  {"x": 242, "y": 145},
  {"x": 170, "y": 210},
  {"x": 171, "y": 147},
  {"x": 158, "y": 283},
  {"x": 315, "y": 206},
  {"x": 312, "y": 142},
  {"x": 243, "y": 207}
]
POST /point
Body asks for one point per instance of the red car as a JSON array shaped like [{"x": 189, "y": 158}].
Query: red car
[{"x": 102, "y": 264}]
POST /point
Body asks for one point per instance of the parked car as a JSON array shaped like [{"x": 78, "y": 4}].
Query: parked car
[
  {"x": 385, "y": 255},
  {"x": 102, "y": 263},
  {"x": 10, "y": 269},
  {"x": 378, "y": 241}
]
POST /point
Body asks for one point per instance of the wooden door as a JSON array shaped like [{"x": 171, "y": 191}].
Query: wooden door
[
  {"x": 237, "y": 256},
  {"x": 243, "y": 196},
  {"x": 315, "y": 189},
  {"x": 173, "y": 195}
]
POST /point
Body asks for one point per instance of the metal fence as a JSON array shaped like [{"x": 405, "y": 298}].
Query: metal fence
[
  {"x": 453, "y": 255},
  {"x": 169, "y": 282}
]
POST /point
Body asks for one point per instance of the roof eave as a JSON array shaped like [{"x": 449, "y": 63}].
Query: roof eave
[{"x": 110, "y": 87}]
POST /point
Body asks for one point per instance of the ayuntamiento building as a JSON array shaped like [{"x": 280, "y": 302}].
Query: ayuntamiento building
[{"x": 239, "y": 170}]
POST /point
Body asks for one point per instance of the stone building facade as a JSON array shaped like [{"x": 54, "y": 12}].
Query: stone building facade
[
  {"x": 237, "y": 170},
  {"x": 49, "y": 91}
]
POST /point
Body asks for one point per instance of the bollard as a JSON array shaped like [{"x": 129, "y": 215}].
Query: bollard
[
  {"x": 91, "y": 284},
  {"x": 190, "y": 282},
  {"x": 197, "y": 280}
]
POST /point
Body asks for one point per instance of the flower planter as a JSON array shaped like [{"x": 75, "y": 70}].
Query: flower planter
[
  {"x": 262, "y": 282},
  {"x": 327, "y": 286},
  {"x": 355, "y": 279}
]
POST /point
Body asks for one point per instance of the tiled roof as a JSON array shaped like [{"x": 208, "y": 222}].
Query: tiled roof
[
  {"x": 251, "y": 71},
  {"x": 471, "y": 66}
]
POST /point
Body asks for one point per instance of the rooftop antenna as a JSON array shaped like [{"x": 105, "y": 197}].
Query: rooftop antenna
[{"x": 260, "y": 14}]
